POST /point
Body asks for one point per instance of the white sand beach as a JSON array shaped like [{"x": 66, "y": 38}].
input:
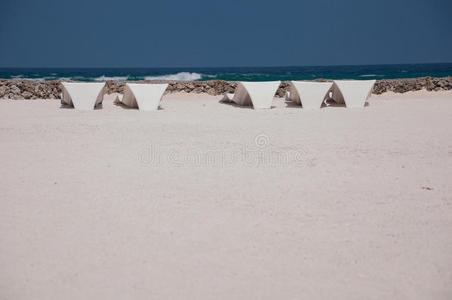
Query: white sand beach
[{"x": 203, "y": 199}]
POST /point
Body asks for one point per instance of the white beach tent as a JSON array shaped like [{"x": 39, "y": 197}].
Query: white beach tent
[
  {"x": 143, "y": 96},
  {"x": 83, "y": 95},
  {"x": 353, "y": 93},
  {"x": 309, "y": 94},
  {"x": 259, "y": 94}
]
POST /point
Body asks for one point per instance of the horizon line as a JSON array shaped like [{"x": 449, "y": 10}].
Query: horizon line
[{"x": 233, "y": 67}]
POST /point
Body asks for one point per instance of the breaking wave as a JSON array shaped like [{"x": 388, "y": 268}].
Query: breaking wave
[
  {"x": 371, "y": 75},
  {"x": 182, "y": 76},
  {"x": 112, "y": 78}
]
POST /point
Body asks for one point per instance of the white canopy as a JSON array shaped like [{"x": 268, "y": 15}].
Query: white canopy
[
  {"x": 143, "y": 96},
  {"x": 83, "y": 95}
]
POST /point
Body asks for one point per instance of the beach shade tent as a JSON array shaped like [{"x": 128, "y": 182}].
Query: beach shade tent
[
  {"x": 309, "y": 94},
  {"x": 258, "y": 94},
  {"x": 353, "y": 93},
  {"x": 143, "y": 96},
  {"x": 83, "y": 95}
]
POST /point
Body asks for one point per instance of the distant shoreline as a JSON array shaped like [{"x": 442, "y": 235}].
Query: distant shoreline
[{"x": 39, "y": 89}]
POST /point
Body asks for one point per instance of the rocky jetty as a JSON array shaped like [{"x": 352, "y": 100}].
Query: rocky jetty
[
  {"x": 33, "y": 89},
  {"x": 412, "y": 84},
  {"x": 29, "y": 89},
  {"x": 212, "y": 87}
]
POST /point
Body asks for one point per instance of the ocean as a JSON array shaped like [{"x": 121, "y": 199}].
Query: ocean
[{"x": 232, "y": 74}]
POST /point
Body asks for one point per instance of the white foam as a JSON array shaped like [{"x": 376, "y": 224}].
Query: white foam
[
  {"x": 20, "y": 77},
  {"x": 371, "y": 75},
  {"x": 112, "y": 78},
  {"x": 182, "y": 76}
]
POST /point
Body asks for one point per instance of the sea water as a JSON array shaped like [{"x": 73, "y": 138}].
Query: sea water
[{"x": 232, "y": 74}]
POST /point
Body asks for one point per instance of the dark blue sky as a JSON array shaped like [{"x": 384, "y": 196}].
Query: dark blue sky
[{"x": 209, "y": 33}]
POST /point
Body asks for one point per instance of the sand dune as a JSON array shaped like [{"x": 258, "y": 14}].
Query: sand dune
[{"x": 208, "y": 200}]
